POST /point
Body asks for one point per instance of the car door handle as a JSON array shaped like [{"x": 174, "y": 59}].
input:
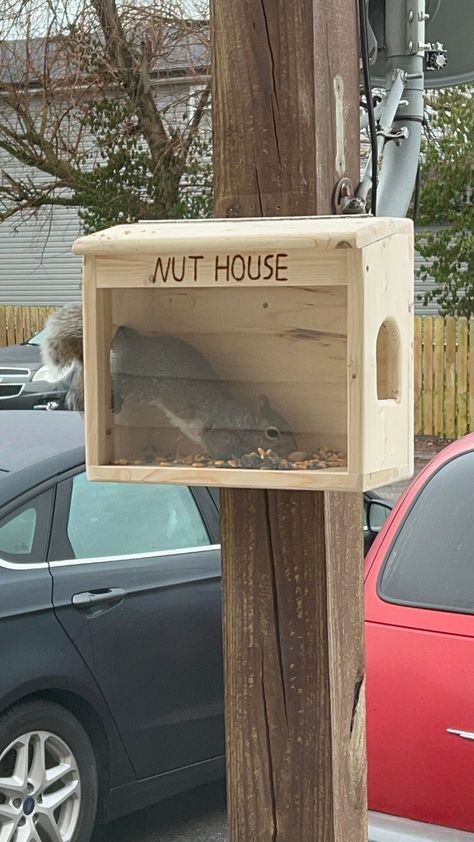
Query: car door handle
[
  {"x": 465, "y": 735},
  {"x": 95, "y": 599}
]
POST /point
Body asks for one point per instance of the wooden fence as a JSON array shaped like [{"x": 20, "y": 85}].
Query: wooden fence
[
  {"x": 17, "y": 324},
  {"x": 444, "y": 376},
  {"x": 444, "y": 366}
]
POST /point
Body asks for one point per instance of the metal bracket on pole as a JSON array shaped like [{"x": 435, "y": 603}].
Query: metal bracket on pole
[
  {"x": 344, "y": 201},
  {"x": 400, "y": 119},
  {"x": 397, "y": 135}
]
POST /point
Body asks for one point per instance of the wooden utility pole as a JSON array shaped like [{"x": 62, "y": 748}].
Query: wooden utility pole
[{"x": 286, "y": 129}]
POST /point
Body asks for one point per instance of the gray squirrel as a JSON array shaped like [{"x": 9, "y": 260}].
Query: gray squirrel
[{"x": 171, "y": 374}]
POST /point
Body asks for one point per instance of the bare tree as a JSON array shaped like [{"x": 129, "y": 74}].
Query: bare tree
[{"x": 88, "y": 109}]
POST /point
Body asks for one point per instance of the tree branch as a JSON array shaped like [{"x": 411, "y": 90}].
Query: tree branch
[
  {"x": 197, "y": 117},
  {"x": 121, "y": 56}
]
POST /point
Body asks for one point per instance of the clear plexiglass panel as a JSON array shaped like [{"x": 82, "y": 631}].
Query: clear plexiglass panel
[{"x": 247, "y": 378}]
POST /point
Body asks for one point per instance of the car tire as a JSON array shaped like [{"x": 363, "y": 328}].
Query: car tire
[{"x": 46, "y": 756}]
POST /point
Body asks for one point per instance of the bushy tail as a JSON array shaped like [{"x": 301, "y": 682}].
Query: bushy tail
[{"x": 62, "y": 351}]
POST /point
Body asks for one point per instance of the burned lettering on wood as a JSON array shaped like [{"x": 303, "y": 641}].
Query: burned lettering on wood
[
  {"x": 222, "y": 268},
  {"x": 252, "y": 267}
]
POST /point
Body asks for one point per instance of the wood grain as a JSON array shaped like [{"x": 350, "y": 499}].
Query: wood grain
[
  {"x": 3, "y": 326},
  {"x": 294, "y": 665},
  {"x": 450, "y": 375},
  {"x": 418, "y": 374},
  {"x": 428, "y": 376},
  {"x": 461, "y": 378},
  {"x": 438, "y": 377},
  {"x": 292, "y": 585},
  {"x": 471, "y": 374}
]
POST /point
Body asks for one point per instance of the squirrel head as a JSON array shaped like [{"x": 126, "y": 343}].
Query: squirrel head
[
  {"x": 273, "y": 430},
  {"x": 235, "y": 431}
]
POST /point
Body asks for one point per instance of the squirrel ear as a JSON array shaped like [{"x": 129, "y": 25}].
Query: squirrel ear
[{"x": 263, "y": 402}]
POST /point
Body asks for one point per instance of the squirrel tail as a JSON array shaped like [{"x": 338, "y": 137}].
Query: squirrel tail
[{"x": 62, "y": 351}]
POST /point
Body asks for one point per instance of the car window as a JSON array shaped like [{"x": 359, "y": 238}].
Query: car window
[
  {"x": 431, "y": 563},
  {"x": 116, "y": 519},
  {"x": 24, "y": 533},
  {"x": 38, "y": 338}
]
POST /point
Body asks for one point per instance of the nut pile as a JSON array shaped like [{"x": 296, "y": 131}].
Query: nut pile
[{"x": 262, "y": 459}]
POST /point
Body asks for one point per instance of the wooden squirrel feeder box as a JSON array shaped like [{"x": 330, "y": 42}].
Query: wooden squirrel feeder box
[{"x": 267, "y": 353}]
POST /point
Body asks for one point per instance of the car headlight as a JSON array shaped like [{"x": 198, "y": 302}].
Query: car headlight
[{"x": 46, "y": 374}]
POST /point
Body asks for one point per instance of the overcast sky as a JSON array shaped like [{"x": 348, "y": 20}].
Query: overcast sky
[{"x": 13, "y": 23}]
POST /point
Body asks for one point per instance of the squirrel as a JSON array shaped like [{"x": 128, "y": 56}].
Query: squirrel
[{"x": 152, "y": 369}]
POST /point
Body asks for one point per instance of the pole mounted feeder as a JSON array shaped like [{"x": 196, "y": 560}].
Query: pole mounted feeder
[{"x": 300, "y": 326}]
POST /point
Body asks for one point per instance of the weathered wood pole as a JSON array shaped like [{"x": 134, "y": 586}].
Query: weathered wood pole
[{"x": 286, "y": 128}]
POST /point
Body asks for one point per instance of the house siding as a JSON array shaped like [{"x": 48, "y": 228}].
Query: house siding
[
  {"x": 36, "y": 263},
  {"x": 37, "y": 266}
]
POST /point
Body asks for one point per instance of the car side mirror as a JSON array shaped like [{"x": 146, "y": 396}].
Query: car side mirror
[{"x": 377, "y": 514}]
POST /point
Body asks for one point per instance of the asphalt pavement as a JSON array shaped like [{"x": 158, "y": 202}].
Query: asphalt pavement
[{"x": 196, "y": 816}]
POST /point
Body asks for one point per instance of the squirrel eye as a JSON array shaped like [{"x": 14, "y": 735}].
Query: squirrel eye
[{"x": 272, "y": 433}]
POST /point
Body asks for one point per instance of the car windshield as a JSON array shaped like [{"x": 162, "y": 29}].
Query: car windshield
[
  {"x": 431, "y": 563},
  {"x": 37, "y": 339}
]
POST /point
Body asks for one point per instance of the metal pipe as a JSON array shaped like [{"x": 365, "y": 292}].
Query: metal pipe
[
  {"x": 386, "y": 113},
  {"x": 405, "y": 46}
]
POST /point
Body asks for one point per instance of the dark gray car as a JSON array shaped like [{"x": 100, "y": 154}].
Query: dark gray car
[
  {"x": 25, "y": 383},
  {"x": 110, "y": 663},
  {"x": 111, "y": 689}
]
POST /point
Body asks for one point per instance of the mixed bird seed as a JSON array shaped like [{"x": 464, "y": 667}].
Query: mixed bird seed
[{"x": 262, "y": 459}]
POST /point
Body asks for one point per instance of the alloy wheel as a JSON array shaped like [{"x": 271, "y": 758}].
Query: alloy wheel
[{"x": 40, "y": 789}]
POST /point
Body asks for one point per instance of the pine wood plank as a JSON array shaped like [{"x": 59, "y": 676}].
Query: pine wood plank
[
  {"x": 461, "y": 378},
  {"x": 438, "y": 377},
  {"x": 450, "y": 393},
  {"x": 428, "y": 376}
]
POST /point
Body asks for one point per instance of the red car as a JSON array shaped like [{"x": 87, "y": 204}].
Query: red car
[{"x": 419, "y": 593}]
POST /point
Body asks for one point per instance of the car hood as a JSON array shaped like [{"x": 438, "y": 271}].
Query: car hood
[{"x": 20, "y": 355}]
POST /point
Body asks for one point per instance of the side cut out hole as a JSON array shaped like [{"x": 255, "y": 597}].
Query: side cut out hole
[{"x": 388, "y": 361}]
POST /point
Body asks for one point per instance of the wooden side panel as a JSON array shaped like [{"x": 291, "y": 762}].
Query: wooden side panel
[
  {"x": 388, "y": 309},
  {"x": 97, "y": 392},
  {"x": 355, "y": 361}
]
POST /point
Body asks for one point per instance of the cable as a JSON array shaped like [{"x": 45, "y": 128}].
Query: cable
[
  {"x": 364, "y": 45},
  {"x": 433, "y": 12}
]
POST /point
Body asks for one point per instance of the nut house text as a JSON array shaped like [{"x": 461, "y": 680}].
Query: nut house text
[{"x": 224, "y": 268}]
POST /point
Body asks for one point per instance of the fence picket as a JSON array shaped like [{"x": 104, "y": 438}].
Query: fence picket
[
  {"x": 3, "y": 326},
  {"x": 34, "y": 320},
  {"x": 417, "y": 351},
  {"x": 471, "y": 376},
  {"x": 10, "y": 325},
  {"x": 428, "y": 376},
  {"x": 450, "y": 388},
  {"x": 26, "y": 319},
  {"x": 438, "y": 377},
  {"x": 461, "y": 379},
  {"x": 19, "y": 323}
]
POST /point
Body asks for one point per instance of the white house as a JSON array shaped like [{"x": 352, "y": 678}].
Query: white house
[{"x": 37, "y": 266}]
